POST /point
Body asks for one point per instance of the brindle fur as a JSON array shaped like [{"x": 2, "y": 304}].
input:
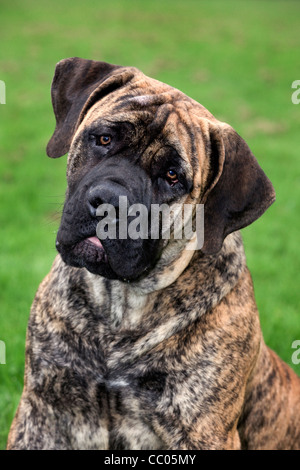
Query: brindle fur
[{"x": 176, "y": 359}]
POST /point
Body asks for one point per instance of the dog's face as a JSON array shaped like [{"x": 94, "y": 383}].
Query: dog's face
[{"x": 132, "y": 137}]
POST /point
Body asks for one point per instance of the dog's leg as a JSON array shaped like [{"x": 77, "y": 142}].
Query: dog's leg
[
  {"x": 206, "y": 432},
  {"x": 270, "y": 419},
  {"x": 64, "y": 402},
  {"x": 40, "y": 426},
  {"x": 36, "y": 426}
]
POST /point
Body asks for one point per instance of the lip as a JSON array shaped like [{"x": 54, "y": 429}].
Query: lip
[
  {"x": 95, "y": 241},
  {"x": 91, "y": 249},
  {"x": 87, "y": 250}
]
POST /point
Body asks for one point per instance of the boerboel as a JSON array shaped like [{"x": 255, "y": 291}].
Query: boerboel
[{"x": 150, "y": 343}]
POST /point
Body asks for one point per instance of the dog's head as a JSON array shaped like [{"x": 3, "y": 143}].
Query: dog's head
[{"x": 132, "y": 138}]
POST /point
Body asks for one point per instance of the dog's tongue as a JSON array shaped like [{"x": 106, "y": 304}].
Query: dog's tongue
[{"x": 95, "y": 241}]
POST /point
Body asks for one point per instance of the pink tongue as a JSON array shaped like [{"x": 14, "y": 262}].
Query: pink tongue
[{"x": 95, "y": 241}]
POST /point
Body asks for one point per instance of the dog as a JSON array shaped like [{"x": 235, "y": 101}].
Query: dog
[{"x": 150, "y": 343}]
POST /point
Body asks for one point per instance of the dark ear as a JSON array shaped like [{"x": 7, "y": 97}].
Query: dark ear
[
  {"x": 238, "y": 194},
  {"x": 74, "y": 81}
]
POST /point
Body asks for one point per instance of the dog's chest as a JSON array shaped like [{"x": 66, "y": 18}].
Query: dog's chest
[
  {"x": 131, "y": 410},
  {"x": 138, "y": 373},
  {"x": 118, "y": 413}
]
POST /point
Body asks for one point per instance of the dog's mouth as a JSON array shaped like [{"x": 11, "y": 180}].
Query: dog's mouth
[
  {"x": 89, "y": 249},
  {"x": 90, "y": 253},
  {"x": 95, "y": 241},
  {"x": 93, "y": 248},
  {"x": 115, "y": 260}
]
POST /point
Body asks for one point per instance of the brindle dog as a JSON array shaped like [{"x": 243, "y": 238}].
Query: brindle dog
[{"x": 149, "y": 344}]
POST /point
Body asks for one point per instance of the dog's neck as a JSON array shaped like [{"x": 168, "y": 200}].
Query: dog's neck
[{"x": 213, "y": 277}]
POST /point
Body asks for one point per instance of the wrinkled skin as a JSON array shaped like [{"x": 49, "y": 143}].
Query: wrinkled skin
[{"x": 150, "y": 344}]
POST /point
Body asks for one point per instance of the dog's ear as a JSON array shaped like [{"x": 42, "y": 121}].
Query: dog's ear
[
  {"x": 238, "y": 192},
  {"x": 74, "y": 82}
]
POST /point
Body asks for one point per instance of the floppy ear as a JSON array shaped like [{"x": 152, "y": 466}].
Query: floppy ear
[
  {"x": 74, "y": 81},
  {"x": 239, "y": 191}
]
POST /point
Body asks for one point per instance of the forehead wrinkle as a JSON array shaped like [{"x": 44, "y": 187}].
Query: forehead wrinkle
[
  {"x": 173, "y": 119},
  {"x": 178, "y": 133},
  {"x": 111, "y": 114}
]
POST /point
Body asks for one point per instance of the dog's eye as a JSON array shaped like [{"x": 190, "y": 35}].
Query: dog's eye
[
  {"x": 172, "y": 177},
  {"x": 101, "y": 140},
  {"x": 104, "y": 140}
]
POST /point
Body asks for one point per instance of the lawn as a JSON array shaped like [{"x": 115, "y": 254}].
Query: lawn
[{"x": 238, "y": 59}]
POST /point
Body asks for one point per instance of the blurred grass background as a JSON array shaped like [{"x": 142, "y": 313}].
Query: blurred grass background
[{"x": 238, "y": 59}]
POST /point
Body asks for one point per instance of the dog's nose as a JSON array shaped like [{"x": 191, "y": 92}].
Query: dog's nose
[
  {"x": 106, "y": 193},
  {"x": 93, "y": 202}
]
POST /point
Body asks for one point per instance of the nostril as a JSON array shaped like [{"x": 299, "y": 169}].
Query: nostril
[{"x": 94, "y": 202}]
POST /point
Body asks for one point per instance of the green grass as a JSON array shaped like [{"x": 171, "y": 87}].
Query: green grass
[{"x": 237, "y": 58}]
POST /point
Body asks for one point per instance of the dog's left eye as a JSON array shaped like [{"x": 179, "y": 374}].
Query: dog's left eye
[
  {"x": 102, "y": 140},
  {"x": 172, "y": 177}
]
